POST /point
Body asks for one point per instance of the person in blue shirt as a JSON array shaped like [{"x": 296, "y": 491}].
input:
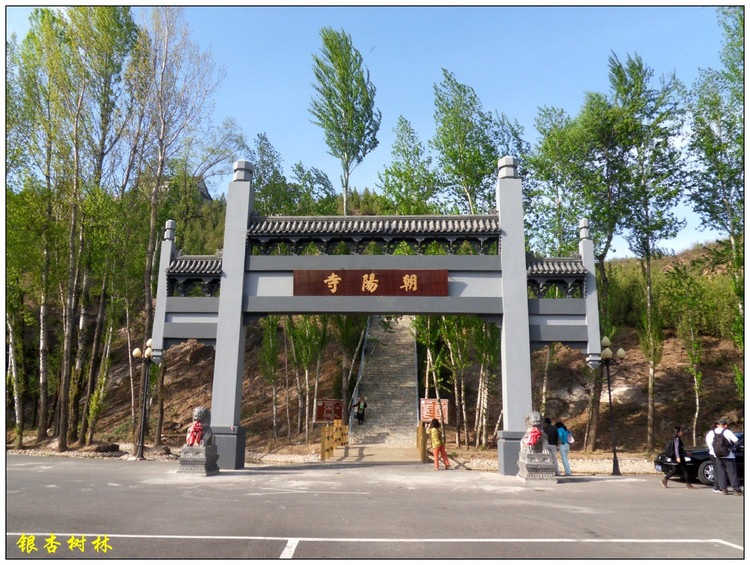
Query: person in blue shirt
[{"x": 563, "y": 445}]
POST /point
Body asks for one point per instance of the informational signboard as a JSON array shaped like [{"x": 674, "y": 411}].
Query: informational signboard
[
  {"x": 351, "y": 282},
  {"x": 429, "y": 409},
  {"x": 328, "y": 410}
]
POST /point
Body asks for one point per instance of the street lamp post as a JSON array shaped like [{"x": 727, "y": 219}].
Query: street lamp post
[
  {"x": 608, "y": 359},
  {"x": 146, "y": 356}
]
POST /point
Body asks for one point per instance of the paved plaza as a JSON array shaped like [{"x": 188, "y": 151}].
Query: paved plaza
[{"x": 359, "y": 506}]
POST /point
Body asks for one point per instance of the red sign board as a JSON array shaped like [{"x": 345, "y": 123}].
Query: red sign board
[
  {"x": 429, "y": 409},
  {"x": 328, "y": 410},
  {"x": 351, "y": 282}
]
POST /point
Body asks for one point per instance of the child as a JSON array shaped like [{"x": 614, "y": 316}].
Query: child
[{"x": 438, "y": 446}]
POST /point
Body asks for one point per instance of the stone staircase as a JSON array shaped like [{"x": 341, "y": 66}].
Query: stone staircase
[{"x": 389, "y": 386}]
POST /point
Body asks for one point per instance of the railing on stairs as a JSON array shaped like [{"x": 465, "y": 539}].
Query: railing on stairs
[{"x": 355, "y": 394}]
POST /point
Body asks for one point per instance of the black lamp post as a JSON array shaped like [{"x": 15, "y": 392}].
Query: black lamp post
[
  {"x": 146, "y": 355},
  {"x": 608, "y": 359}
]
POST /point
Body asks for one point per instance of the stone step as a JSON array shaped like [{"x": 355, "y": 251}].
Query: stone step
[{"x": 389, "y": 385}]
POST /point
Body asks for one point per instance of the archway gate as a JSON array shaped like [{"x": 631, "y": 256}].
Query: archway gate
[{"x": 498, "y": 282}]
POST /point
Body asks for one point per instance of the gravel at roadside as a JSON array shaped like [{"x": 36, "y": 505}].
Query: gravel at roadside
[{"x": 481, "y": 462}]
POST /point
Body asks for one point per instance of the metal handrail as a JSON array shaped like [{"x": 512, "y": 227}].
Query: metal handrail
[{"x": 359, "y": 378}]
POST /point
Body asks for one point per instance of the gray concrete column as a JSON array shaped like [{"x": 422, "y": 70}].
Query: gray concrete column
[
  {"x": 226, "y": 399},
  {"x": 591, "y": 296},
  {"x": 515, "y": 346},
  {"x": 166, "y": 255}
]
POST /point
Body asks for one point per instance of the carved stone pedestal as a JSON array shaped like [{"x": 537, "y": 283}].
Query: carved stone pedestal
[
  {"x": 199, "y": 460},
  {"x": 536, "y": 467}
]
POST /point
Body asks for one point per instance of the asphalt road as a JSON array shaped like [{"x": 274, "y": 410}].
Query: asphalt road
[{"x": 132, "y": 509}]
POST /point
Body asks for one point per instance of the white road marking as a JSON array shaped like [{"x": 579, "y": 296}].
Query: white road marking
[
  {"x": 288, "y": 552},
  {"x": 391, "y": 540}
]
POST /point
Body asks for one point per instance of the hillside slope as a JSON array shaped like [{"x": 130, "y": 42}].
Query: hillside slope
[{"x": 190, "y": 367}]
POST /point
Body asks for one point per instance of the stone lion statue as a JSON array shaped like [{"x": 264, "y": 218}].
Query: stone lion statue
[
  {"x": 534, "y": 440},
  {"x": 199, "y": 434}
]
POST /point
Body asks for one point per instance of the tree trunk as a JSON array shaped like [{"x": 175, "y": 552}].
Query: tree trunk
[
  {"x": 91, "y": 380},
  {"x": 652, "y": 360},
  {"x": 592, "y": 425},
  {"x": 545, "y": 379},
  {"x": 101, "y": 382},
  {"x": 315, "y": 390},
  {"x": 17, "y": 386},
  {"x": 463, "y": 410},
  {"x": 160, "y": 403},
  {"x": 275, "y": 411},
  {"x": 77, "y": 379},
  {"x": 131, "y": 371},
  {"x": 307, "y": 405},
  {"x": 70, "y": 307},
  {"x": 286, "y": 384},
  {"x": 41, "y": 433}
]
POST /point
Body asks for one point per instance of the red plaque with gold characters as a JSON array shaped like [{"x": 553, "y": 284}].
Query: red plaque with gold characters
[{"x": 346, "y": 282}]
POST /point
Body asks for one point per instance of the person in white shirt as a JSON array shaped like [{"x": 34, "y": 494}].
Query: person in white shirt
[
  {"x": 709, "y": 443},
  {"x": 725, "y": 464}
]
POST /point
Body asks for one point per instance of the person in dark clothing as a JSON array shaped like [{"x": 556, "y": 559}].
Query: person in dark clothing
[
  {"x": 712, "y": 455},
  {"x": 679, "y": 455},
  {"x": 551, "y": 432},
  {"x": 360, "y": 410},
  {"x": 725, "y": 464}
]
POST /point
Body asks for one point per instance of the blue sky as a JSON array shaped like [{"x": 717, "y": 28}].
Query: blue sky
[{"x": 517, "y": 59}]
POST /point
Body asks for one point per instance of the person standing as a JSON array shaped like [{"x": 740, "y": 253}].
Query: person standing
[
  {"x": 360, "y": 410},
  {"x": 563, "y": 444},
  {"x": 552, "y": 440},
  {"x": 438, "y": 445},
  {"x": 712, "y": 455},
  {"x": 722, "y": 439},
  {"x": 679, "y": 456}
]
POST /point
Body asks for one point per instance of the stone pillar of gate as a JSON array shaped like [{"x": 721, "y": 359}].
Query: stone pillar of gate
[
  {"x": 586, "y": 250},
  {"x": 514, "y": 338},
  {"x": 168, "y": 252},
  {"x": 226, "y": 399}
]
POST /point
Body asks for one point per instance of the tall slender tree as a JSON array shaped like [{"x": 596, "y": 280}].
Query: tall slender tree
[
  {"x": 656, "y": 182},
  {"x": 344, "y": 103},
  {"x": 410, "y": 182}
]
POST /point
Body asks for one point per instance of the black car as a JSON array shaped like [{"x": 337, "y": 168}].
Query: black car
[{"x": 699, "y": 464}]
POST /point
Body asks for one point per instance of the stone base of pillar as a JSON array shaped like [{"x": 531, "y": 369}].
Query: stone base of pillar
[
  {"x": 199, "y": 460},
  {"x": 508, "y": 448},
  {"x": 536, "y": 467},
  {"x": 230, "y": 440}
]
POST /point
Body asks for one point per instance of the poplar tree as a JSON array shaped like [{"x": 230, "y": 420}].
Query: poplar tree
[
  {"x": 655, "y": 184},
  {"x": 344, "y": 103},
  {"x": 410, "y": 181}
]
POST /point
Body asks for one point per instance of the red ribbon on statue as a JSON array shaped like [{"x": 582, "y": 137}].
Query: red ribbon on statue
[
  {"x": 195, "y": 433},
  {"x": 534, "y": 435}
]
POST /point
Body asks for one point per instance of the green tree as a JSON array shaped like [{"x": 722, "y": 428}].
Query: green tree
[
  {"x": 556, "y": 203},
  {"x": 655, "y": 182},
  {"x": 38, "y": 124},
  {"x": 269, "y": 362},
  {"x": 465, "y": 143},
  {"x": 469, "y": 142},
  {"x": 409, "y": 182},
  {"x": 316, "y": 195},
  {"x": 717, "y": 188},
  {"x": 688, "y": 300},
  {"x": 182, "y": 80},
  {"x": 344, "y": 103},
  {"x": 273, "y": 195}
]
